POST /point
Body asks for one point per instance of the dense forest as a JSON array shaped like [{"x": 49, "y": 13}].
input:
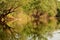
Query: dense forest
[{"x": 28, "y": 19}]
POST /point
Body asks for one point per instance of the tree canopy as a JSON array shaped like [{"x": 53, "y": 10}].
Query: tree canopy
[{"x": 27, "y": 19}]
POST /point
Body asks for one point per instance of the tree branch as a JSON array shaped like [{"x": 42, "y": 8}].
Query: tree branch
[{"x": 6, "y": 12}]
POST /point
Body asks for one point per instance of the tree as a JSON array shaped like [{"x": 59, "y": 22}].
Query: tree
[
  {"x": 7, "y": 7},
  {"x": 43, "y": 13},
  {"x": 40, "y": 12}
]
